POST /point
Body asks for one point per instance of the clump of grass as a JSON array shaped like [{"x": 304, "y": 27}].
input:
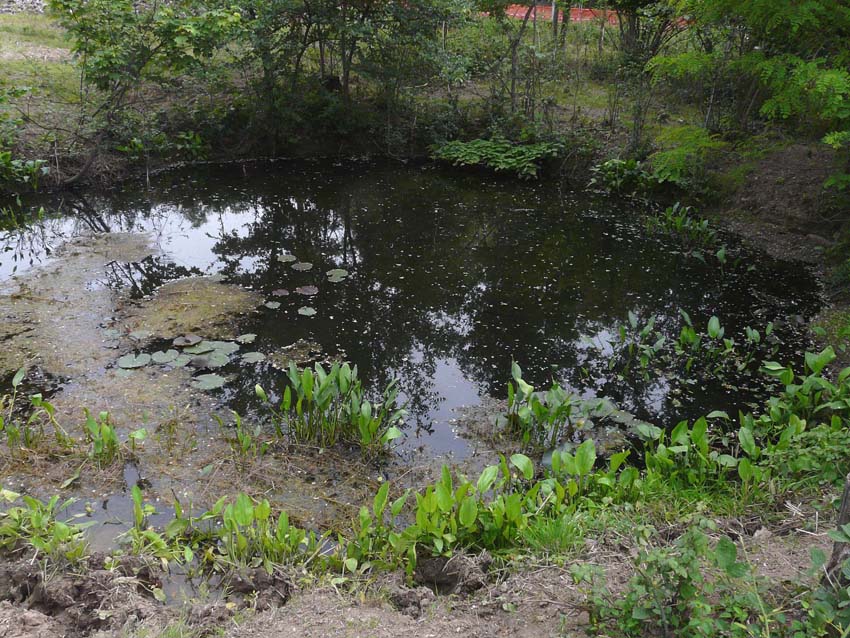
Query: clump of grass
[{"x": 560, "y": 536}]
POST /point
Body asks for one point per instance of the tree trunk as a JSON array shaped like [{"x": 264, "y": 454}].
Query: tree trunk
[
  {"x": 515, "y": 56},
  {"x": 840, "y": 551}
]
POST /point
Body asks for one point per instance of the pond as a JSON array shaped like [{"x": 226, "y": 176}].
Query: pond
[{"x": 449, "y": 277}]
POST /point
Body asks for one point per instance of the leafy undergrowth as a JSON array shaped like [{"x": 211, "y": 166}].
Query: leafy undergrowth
[{"x": 693, "y": 582}]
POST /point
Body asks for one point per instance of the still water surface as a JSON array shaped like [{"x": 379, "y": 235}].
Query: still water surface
[{"x": 451, "y": 277}]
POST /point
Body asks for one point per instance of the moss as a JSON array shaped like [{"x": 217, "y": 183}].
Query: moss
[{"x": 203, "y": 305}]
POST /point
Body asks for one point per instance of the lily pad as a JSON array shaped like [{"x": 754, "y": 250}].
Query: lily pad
[
  {"x": 162, "y": 358},
  {"x": 307, "y": 311},
  {"x": 336, "y": 275},
  {"x": 111, "y": 333},
  {"x": 186, "y": 340},
  {"x": 253, "y": 357},
  {"x": 246, "y": 338},
  {"x": 302, "y": 266},
  {"x": 214, "y": 359},
  {"x": 272, "y": 305},
  {"x": 286, "y": 258},
  {"x": 130, "y": 361},
  {"x": 208, "y": 382},
  {"x": 140, "y": 335},
  {"x": 280, "y": 292},
  {"x": 182, "y": 361},
  {"x": 200, "y": 348},
  {"x": 307, "y": 290},
  {"x": 226, "y": 347},
  {"x": 124, "y": 374}
]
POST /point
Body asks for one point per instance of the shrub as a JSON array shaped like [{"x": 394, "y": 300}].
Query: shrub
[{"x": 499, "y": 154}]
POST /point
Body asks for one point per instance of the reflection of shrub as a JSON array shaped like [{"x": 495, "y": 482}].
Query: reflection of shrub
[
  {"x": 683, "y": 156},
  {"x": 499, "y": 154}
]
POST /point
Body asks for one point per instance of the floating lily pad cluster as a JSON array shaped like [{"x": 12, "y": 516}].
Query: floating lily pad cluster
[
  {"x": 334, "y": 276},
  {"x": 196, "y": 352}
]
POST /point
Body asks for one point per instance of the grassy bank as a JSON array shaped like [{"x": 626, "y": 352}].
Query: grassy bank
[{"x": 688, "y": 510}]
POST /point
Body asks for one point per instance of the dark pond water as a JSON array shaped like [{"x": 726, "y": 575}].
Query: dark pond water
[{"x": 451, "y": 277}]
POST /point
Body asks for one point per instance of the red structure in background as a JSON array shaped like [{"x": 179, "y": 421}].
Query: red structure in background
[{"x": 544, "y": 12}]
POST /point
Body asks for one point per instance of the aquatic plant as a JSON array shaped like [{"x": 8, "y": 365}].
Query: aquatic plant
[
  {"x": 694, "y": 354},
  {"x": 245, "y": 444},
  {"x": 681, "y": 221},
  {"x": 249, "y": 534},
  {"x": 16, "y": 172},
  {"x": 240, "y": 533},
  {"x": 35, "y": 525},
  {"x": 104, "y": 446},
  {"x": 538, "y": 418},
  {"x": 636, "y": 343},
  {"x": 326, "y": 407},
  {"x": 624, "y": 177},
  {"x": 28, "y": 433}
]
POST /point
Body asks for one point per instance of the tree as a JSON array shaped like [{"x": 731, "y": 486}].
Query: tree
[{"x": 120, "y": 46}]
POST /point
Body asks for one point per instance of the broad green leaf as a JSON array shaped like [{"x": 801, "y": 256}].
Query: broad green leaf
[
  {"x": 468, "y": 511},
  {"x": 714, "y": 329},
  {"x": 748, "y": 442},
  {"x": 336, "y": 275},
  {"x": 726, "y": 553},
  {"x": 200, "y": 348},
  {"x": 487, "y": 478},
  {"x": 243, "y": 510},
  {"x": 585, "y": 457},
  {"x": 648, "y": 432},
  {"x": 817, "y": 362},
  {"x": 524, "y": 465},
  {"x": 380, "y": 500},
  {"x": 161, "y": 358}
]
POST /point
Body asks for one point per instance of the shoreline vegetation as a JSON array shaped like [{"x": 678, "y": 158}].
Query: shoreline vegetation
[{"x": 727, "y": 525}]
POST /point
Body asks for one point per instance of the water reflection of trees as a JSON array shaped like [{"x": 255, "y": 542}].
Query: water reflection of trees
[
  {"x": 431, "y": 284},
  {"x": 142, "y": 278},
  {"x": 442, "y": 269}
]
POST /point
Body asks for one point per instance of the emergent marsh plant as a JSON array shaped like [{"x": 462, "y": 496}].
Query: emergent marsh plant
[{"x": 325, "y": 407}]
